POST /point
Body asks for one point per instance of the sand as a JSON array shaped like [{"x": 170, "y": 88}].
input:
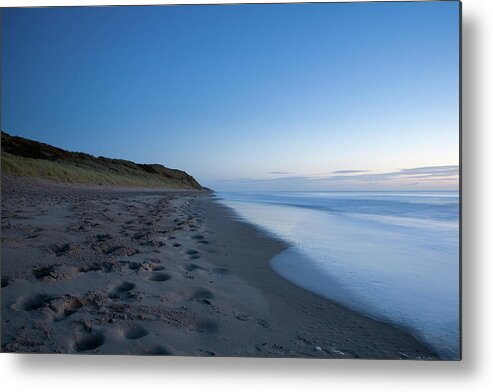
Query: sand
[{"x": 96, "y": 270}]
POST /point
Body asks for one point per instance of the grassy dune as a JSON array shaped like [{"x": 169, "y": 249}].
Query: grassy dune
[{"x": 27, "y": 158}]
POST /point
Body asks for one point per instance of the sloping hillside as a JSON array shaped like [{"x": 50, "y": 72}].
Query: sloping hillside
[{"x": 24, "y": 157}]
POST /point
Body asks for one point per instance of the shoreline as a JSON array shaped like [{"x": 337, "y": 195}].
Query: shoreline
[
  {"x": 126, "y": 271},
  {"x": 317, "y": 251},
  {"x": 290, "y": 290}
]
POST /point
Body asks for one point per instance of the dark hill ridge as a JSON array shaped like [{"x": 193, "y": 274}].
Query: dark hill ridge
[{"x": 27, "y": 157}]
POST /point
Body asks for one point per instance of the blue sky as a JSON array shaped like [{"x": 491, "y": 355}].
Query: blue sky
[{"x": 291, "y": 96}]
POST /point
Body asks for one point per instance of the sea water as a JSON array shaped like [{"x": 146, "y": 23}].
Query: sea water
[{"x": 393, "y": 256}]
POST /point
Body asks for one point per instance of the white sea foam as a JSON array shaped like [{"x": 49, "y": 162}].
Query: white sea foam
[{"x": 392, "y": 256}]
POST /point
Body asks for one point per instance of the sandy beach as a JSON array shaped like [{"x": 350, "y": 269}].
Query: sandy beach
[{"x": 155, "y": 272}]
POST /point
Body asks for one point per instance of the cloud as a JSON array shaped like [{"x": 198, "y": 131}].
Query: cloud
[
  {"x": 432, "y": 170},
  {"x": 280, "y": 172},
  {"x": 427, "y": 172},
  {"x": 349, "y": 171},
  {"x": 428, "y": 177}
]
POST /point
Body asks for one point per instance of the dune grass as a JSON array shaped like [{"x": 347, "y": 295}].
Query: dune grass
[{"x": 90, "y": 175}]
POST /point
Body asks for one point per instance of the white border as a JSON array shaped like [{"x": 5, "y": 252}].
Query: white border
[{"x": 146, "y": 374}]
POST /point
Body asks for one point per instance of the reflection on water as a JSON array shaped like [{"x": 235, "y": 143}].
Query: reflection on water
[{"x": 393, "y": 256}]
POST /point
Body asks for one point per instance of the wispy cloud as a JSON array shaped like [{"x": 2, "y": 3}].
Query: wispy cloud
[
  {"x": 349, "y": 171},
  {"x": 280, "y": 172},
  {"x": 435, "y": 170},
  {"x": 429, "y": 177},
  {"x": 429, "y": 172}
]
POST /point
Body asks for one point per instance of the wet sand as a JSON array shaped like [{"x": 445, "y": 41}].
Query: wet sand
[{"x": 153, "y": 272}]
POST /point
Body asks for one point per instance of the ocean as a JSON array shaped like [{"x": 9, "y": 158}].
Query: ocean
[{"x": 393, "y": 256}]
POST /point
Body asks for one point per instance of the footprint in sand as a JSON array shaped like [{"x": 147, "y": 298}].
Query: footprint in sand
[
  {"x": 159, "y": 277},
  {"x": 64, "y": 306},
  {"x": 192, "y": 267},
  {"x": 122, "y": 291},
  {"x": 220, "y": 271},
  {"x": 133, "y": 265},
  {"x": 103, "y": 237},
  {"x": 133, "y": 332},
  {"x": 32, "y": 302},
  {"x": 54, "y": 308},
  {"x": 159, "y": 350},
  {"x": 139, "y": 236},
  {"x": 88, "y": 342},
  {"x": 44, "y": 271},
  {"x": 5, "y": 281},
  {"x": 61, "y": 250},
  {"x": 157, "y": 267},
  {"x": 203, "y": 296},
  {"x": 206, "y": 326},
  {"x": 150, "y": 266}
]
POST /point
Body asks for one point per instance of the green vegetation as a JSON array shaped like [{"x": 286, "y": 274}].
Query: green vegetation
[{"x": 24, "y": 157}]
